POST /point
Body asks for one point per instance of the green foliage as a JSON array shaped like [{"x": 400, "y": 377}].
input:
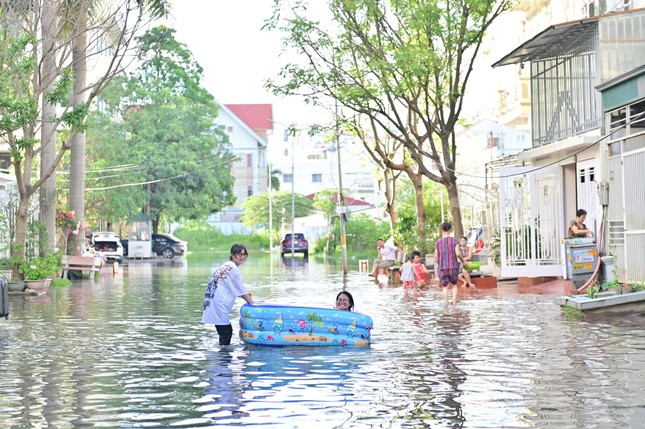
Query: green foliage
[
  {"x": 205, "y": 237},
  {"x": 60, "y": 283},
  {"x": 405, "y": 230},
  {"x": 362, "y": 232},
  {"x": 36, "y": 239},
  {"x": 574, "y": 313},
  {"x": 592, "y": 291},
  {"x": 324, "y": 202},
  {"x": 40, "y": 268},
  {"x": 256, "y": 209},
  {"x": 181, "y": 160}
]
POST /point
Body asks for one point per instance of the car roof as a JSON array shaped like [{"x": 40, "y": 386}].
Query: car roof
[{"x": 163, "y": 234}]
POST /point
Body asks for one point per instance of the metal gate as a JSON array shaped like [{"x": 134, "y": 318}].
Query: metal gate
[
  {"x": 626, "y": 220},
  {"x": 531, "y": 222}
]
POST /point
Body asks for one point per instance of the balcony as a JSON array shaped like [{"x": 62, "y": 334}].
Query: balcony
[{"x": 515, "y": 104}]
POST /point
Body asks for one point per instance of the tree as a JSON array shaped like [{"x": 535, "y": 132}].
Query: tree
[
  {"x": 25, "y": 82},
  {"x": 326, "y": 202},
  {"x": 78, "y": 12},
  {"x": 168, "y": 132},
  {"x": 256, "y": 209},
  {"x": 401, "y": 68}
]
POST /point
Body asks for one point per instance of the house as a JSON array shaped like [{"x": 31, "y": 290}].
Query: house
[
  {"x": 309, "y": 164},
  {"x": 581, "y": 72},
  {"x": 248, "y": 127}
]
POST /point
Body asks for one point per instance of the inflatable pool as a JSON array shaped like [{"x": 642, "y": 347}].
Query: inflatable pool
[{"x": 283, "y": 325}]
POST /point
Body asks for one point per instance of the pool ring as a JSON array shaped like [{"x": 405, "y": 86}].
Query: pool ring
[{"x": 283, "y": 325}]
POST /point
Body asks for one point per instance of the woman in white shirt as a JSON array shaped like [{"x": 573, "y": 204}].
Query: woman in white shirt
[{"x": 223, "y": 287}]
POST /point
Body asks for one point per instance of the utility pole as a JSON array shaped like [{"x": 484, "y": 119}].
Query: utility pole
[
  {"x": 341, "y": 201},
  {"x": 293, "y": 205},
  {"x": 270, "y": 209}
]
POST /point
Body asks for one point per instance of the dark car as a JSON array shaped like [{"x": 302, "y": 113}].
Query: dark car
[
  {"x": 300, "y": 244},
  {"x": 168, "y": 246}
]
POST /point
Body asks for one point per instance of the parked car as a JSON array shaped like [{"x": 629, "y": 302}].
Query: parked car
[
  {"x": 300, "y": 244},
  {"x": 168, "y": 246},
  {"x": 108, "y": 244}
]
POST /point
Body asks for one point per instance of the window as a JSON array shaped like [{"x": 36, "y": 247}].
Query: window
[
  {"x": 287, "y": 178},
  {"x": 5, "y": 161},
  {"x": 316, "y": 178}
]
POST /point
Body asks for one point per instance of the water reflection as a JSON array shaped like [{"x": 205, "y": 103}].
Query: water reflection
[{"x": 129, "y": 350}]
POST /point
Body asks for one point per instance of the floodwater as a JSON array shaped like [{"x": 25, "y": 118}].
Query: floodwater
[{"x": 129, "y": 351}]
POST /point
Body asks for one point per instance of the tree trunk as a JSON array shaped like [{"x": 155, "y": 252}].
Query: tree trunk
[
  {"x": 18, "y": 246},
  {"x": 455, "y": 208},
  {"x": 77, "y": 162},
  {"x": 417, "y": 183},
  {"x": 389, "y": 182},
  {"x": 48, "y": 127}
]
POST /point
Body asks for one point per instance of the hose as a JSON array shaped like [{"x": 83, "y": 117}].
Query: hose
[{"x": 593, "y": 277}]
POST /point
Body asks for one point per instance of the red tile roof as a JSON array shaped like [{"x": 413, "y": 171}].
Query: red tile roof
[
  {"x": 348, "y": 200},
  {"x": 255, "y": 116}
]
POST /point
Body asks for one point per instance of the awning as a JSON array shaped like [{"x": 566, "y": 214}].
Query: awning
[{"x": 555, "y": 41}]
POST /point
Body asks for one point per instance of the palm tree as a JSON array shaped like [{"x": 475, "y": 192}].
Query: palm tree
[{"x": 275, "y": 174}]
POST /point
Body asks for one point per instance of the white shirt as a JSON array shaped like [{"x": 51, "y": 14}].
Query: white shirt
[
  {"x": 388, "y": 253},
  {"x": 223, "y": 287}
]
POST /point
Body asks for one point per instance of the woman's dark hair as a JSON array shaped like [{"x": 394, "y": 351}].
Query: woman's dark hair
[
  {"x": 581, "y": 212},
  {"x": 446, "y": 226},
  {"x": 349, "y": 296},
  {"x": 464, "y": 237},
  {"x": 238, "y": 249}
]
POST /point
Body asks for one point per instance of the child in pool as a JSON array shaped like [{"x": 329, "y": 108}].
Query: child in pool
[{"x": 344, "y": 301}]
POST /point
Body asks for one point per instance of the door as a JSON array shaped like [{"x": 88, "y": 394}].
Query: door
[
  {"x": 587, "y": 192},
  {"x": 531, "y": 219}
]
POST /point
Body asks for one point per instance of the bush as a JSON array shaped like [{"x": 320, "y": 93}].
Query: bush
[
  {"x": 208, "y": 238},
  {"x": 40, "y": 268}
]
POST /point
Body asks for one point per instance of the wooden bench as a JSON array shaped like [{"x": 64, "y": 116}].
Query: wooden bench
[{"x": 84, "y": 264}]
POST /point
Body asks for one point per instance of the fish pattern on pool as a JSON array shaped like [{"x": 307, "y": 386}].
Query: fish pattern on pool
[{"x": 283, "y": 325}]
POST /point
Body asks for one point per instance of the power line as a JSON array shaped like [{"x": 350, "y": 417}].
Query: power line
[{"x": 557, "y": 161}]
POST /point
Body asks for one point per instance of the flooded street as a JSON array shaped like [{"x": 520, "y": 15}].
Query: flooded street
[{"x": 129, "y": 351}]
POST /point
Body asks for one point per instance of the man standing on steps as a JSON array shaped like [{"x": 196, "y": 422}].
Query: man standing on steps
[{"x": 386, "y": 255}]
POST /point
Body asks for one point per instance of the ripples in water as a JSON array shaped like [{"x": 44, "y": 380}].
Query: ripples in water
[{"x": 130, "y": 352}]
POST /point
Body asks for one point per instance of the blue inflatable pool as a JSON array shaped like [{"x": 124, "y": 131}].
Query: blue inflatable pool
[{"x": 283, "y": 325}]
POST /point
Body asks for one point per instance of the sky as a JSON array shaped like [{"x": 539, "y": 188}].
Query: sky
[{"x": 225, "y": 38}]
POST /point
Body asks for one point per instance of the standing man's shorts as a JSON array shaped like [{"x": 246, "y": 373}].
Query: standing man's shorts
[{"x": 449, "y": 277}]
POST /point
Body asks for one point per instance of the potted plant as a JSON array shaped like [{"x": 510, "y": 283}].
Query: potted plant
[{"x": 38, "y": 271}]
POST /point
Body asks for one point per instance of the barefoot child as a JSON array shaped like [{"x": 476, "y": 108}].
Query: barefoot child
[
  {"x": 419, "y": 270},
  {"x": 407, "y": 276}
]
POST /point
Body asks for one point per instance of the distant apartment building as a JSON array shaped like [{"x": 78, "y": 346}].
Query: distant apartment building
[{"x": 309, "y": 164}]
